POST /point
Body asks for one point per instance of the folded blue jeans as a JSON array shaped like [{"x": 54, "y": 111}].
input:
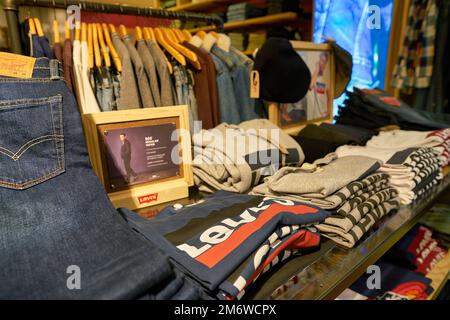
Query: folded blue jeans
[{"x": 60, "y": 236}]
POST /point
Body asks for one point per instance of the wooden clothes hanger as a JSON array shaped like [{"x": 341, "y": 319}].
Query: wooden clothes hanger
[
  {"x": 138, "y": 33},
  {"x": 103, "y": 48},
  {"x": 190, "y": 55},
  {"x": 116, "y": 59},
  {"x": 214, "y": 34},
  {"x": 187, "y": 34},
  {"x": 150, "y": 35},
  {"x": 32, "y": 26},
  {"x": 38, "y": 25},
  {"x": 180, "y": 35},
  {"x": 77, "y": 31},
  {"x": 56, "y": 35},
  {"x": 161, "y": 39},
  {"x": 66, "y": 31},
  {"x": 112, "y": 28},
  {"x": 123, "y": 31},
  {"x": 84, "y": 32},
  {"x": 90, "y": 46},
  {"x": 201, "y": 35},
  {"x": 97, "y": 54}
]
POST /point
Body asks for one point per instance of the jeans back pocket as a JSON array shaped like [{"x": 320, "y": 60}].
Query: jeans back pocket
[{"x": 31, "y": 141}]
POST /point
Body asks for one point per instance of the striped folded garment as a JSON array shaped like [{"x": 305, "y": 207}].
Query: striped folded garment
[
  {"x": 407, "y": 168},
  {"x": 346, "y": 229},
  {"x": 322, "y": 181},
  {"x": 403, "y": 139}
]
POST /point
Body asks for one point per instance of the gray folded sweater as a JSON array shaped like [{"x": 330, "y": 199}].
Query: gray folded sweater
[
  {"x": 237, "y": 157},
  {"x": 317, "y": 182}
]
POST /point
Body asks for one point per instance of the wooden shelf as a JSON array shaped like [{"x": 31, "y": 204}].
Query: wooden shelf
[
  {"x": 202, "y": 6},
  {"x": 333, "y": 269},
  {"x": 281, "y": 18}
]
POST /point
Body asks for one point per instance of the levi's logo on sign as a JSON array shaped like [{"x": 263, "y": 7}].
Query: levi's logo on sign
[
  {"x": 217, "y": 242},
  {"x": 16, "y": 66},
  {"x": 148, "y": 198}
]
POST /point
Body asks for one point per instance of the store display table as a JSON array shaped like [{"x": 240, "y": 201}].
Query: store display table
[{"x": 326, "y": 273}]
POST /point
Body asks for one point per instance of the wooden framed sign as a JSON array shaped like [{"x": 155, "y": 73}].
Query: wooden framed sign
[
  {"x": 142, "y": 156},
  {"x": 317, "y": 105}
]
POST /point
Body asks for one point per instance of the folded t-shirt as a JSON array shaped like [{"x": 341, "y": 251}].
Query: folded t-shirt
[{"x": 210, "y": 240}]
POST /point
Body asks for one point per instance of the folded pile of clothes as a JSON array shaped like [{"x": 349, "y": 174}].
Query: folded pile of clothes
[
  {"x": 402, "y": 139},
  {"x": 278, "y": 6},
  {"x": 318, "y": 141},
  {"x": 412, "y": 171},
  {"x": 236, "y": 158},
  {"x": 239, "y": 40},
  {"x": 357, "y": 198},
  {"x": 242, "y": 11},
  {"x": 374, "y": 109},
  {"x": 255, "y": 41},
  {"x": 224, "y": 243}
]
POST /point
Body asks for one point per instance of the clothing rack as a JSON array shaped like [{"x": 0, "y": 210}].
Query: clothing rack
[{"x": 11, "y": 8}]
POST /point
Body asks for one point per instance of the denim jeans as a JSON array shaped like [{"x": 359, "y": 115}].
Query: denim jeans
[
  {"x": 57, "y": 225},
  {"x": 104, "y": 90},
  {"x": 184, "y": 84},
  {"x": 403, "y": 112}
]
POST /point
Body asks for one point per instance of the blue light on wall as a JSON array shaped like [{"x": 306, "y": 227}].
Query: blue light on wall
[{"x": 362, "y": 28}]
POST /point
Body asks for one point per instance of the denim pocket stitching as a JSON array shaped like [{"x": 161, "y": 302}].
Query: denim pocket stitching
[
  {"x": 24, "y": 102},
  {"x": 29, "y": 183},
  {"x": 16, "y": 156},
  {"x": 59, "y": 138}
]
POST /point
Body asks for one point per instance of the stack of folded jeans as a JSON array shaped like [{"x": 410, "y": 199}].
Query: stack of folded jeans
[
  {"x": 278, "y": 6},
  {"x": 357, "y": 198},
  {"x": 60, "y": 236},
  {"x": 318, "y": 141},
  {"x": 374, "y": 109},
  {"x": 227, "y": 241},
  {"x": 239, "y": 40},
  {"x": 402, "y": 139},
  {"x": 242, "y": 11},
  {"x": 236, "y": 158},
  {"x": 412, "y": 171}
]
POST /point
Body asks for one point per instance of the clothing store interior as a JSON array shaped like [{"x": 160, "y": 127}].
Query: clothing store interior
[{"x": 224, "y": 150}]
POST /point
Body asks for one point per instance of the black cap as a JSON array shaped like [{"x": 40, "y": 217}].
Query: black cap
[{"x": 284, "y": 76}]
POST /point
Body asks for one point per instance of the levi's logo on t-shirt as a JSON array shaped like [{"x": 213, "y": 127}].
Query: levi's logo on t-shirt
[{"x": 215, "y": 243}]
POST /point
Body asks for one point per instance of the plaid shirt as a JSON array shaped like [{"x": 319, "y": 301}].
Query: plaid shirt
[{"x": 415, "y": 63}]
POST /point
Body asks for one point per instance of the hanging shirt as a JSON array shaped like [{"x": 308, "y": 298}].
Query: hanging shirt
[
  {"x": 90, "y": 102},
  {"x": 77, "y": 70}
]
